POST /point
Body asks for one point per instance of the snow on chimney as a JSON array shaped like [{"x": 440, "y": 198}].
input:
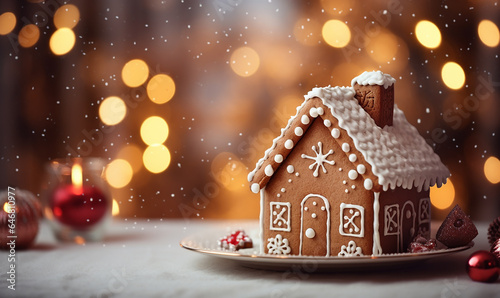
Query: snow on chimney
[{"x": 375, "y": 93}]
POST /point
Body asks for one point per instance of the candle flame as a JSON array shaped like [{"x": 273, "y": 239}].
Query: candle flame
[
  {"x": 77, "y": 178},
  {"x": 115, "y": 209}
]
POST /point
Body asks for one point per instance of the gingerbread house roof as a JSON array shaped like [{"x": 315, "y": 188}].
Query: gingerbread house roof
[{"x": 398, "y": 155}]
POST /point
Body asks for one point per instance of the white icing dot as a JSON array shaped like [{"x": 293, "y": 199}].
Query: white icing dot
[
  {"x": 297, "y": 174},
  {"x": 340, "y": 169},
  {"x": 313, "y": 215},
  {"x": 346, "y": 190},
  {"x": 290, "y": 169},
  {"x": 320, "y": 111},
  {"x": 278, "y": 195},
  {"x": 299, "y": 131},
  {"x": 269, "y": 170},
  {"x": 361, "y": 169},
  {"x": 305, "y": 208},
  {"x": 368, "y": 184},
  {"x": 304, "y": 119},
  {"x": 255, "y": 187},
  {"x": 289, "y": 180},
  {"x": 310, "y": 233},
  {"x": 289, "y": 144},
  {"x": 353, "y": 157},
  {"x": 353, "y": 174},
  {"x": 313, "y": 112},
  {"x": 345, "y": 182},
  {"x": 278, "y": 158},
  {"x": 346, "y": 147},
  {"x": 323, "y": 208},
  {"x": 283, "y": 189},
  {"x": 327, "y": 123},
  {"x": 315, "y": 203},
  {"x": 336, "y": 133},
  {"x": 353, "y": 186}
]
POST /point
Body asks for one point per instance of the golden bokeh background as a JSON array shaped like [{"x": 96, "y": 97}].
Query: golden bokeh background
[{"x": 183, "y": 98}]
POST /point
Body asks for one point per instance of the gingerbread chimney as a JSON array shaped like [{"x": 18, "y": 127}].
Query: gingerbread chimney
[{"x": 375, "y": 93}]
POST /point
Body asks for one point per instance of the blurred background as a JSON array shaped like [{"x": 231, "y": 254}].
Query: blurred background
[{"x": 183, "y": 97}]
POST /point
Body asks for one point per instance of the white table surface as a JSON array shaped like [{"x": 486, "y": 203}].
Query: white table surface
[{"x": 143, "y": 258}]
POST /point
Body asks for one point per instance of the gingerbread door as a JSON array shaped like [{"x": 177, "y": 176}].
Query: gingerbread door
[
  {"x": 407, "y": 228},
  {"x": 315, "y": 226}
]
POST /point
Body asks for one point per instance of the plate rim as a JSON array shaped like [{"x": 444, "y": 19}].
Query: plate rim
[{"x": 235, "y": 255}]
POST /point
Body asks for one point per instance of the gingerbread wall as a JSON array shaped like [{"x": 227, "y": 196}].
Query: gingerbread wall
[
  {"x": 403, "y": 210},
  {"x": 333, "y": 190}
]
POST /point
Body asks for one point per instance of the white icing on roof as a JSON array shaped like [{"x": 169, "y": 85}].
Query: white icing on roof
[
  {"x": 374, "y": 78},
  {"x": 398, "y": 154}
]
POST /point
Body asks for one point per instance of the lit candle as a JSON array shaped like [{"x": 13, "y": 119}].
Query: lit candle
[{"x": 77, "y": 205}]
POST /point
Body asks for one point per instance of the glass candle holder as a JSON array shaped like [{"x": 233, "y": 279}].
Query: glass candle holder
[{"x": 76, "y": 199}]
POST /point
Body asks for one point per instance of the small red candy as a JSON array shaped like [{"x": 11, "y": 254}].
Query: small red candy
[
  {"x": 420, "y": 244},
  {"x": 235, "y": 241},
  {"x": 483, "y": 266}
]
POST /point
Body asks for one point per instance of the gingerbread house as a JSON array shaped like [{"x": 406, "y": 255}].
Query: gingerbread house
[{"x": 348, "y": 176}]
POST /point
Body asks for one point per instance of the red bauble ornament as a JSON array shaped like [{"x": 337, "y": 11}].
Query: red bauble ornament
[
  {"x": 483, "y": 266},
  {"x": 19, "y": 215},
  {"x": 79, "y": 208}
]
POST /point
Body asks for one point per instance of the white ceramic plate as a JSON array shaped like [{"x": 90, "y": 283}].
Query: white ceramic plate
[{"x": 207, "y": 245}]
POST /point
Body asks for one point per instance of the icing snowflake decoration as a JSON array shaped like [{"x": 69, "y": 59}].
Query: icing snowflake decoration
[
  {"x": 351, "y": 250},
  {"x": 319, "y": 159},
  {"x": 278, "y": 245}
]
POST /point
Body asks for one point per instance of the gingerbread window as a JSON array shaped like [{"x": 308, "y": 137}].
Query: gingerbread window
[
  {"x": 352, "y": 219},
  {"x": 280, "y": 216},
  {"x": 391, "y": 220}
]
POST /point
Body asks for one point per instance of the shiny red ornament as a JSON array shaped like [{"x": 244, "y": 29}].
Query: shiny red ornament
[
  {"x": 79, "y": 208},
  {"x": 19, "y": 215},
  {"x": 483, "y": 266}
]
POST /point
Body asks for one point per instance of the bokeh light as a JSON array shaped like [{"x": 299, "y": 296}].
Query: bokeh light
[
  {"x": 133, "y": 155},
  {"x": 307, "y": 31},
  {"x": 112, "y": 110},
  {"x": 7, "y": 207},
  {"x": 383, "y": 47},
  {"x": 161, "y": 88},
  {"x": 338, "y": 7},
  {"x": 154, "y": 130},
  {"x": 66, "y": 16},
  {"x": 492, "y": 169},
  {"x": 428, "y": 34},
  {"x": 443, "y": 196},
  {"x": 453, "y": 75},
  {"x": 245, "y": 61},
  {"x": 135, "y": 73},
  {"x": 62, "y": 41},
  {"x": 29, "y": 35},
  {"x": 156, "y": 158},
  {"x": 229, "y": 171},
  {"x": 118, "y": 173},
  {"x": 488, "y": 33},
  {"x": 7, "y": 23},
  {"x": 336, "y": 33}
]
